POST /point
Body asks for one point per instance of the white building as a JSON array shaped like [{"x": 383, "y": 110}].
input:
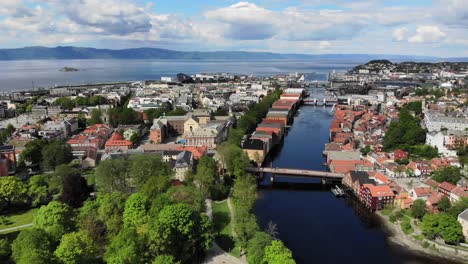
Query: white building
[{"x": 436, "y": 121}]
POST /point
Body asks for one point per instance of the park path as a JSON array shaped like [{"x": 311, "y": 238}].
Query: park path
[
  {"x": 15, "y": 228},
  {"x": 217, "y": 255}
]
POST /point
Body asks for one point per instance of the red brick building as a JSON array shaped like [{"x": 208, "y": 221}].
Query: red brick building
[
  {"x": 376, "y": 197},
  {"x": 446, "y": 188}
]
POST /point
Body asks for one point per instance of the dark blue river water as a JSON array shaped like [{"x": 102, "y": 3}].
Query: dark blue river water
[{"x": 315, "y": 225}]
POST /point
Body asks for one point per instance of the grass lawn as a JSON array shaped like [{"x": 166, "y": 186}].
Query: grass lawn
[
  {"x": 223, "y": 228},
  {"x": 17, "y": 219}
]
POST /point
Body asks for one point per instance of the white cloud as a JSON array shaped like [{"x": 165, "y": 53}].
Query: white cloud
[
  {"x": 324, "y": 44},
  {"x": 427, "y": 34},
  {"x": 245, "y": 21},
  {"x": 400, "y": 34}
]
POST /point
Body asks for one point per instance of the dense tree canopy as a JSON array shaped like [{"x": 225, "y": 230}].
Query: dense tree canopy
[
  {"x": 144, "y": 167},
  {"x": 75, "y": 190},
  {"x": 418, "y": 210},
  {"x": 206, "y": 174},
  {"x": 12, "y": 189},
  {"x": 126, "y": 247},
  {"x": 256, "y": 247},
  {"x": 180, "y": 231},
  {"x": 56, "y": 219},
  {"x": 56, "y": 153},
  {"x": 443, "y": 225},
  {"x": 32, "y": 154},
  {"x": 38, "y": 190},
  {"x": 165, "y": 259},
  {"x": 113, "y": 175},
  {"x": 96, "y": 117},
  {"x": 76, "y": 248},
  {"x": 136, "y": 210},
  {"x": 449, "y": 174},
  {"x": 277, "y": 253},
  {"x": 69, "y": 104},
  {"x": 458, "y": 207},
  {"x": 405, "y": 132},
  {"x": 29, "y": 244}
]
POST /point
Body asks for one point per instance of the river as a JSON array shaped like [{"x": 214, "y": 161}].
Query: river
[{"x": 314, "y": 224}]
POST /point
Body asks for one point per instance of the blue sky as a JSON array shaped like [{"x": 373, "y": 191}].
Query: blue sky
[{"x": 413, "y": 27}]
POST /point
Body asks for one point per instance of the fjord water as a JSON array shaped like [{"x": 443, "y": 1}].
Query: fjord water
[
  {"x": 315, "y": 225},
  {"x": 22, "y": 75}
]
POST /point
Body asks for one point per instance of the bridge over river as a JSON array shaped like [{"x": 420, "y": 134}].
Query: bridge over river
[{"x": 322, "y": 175}]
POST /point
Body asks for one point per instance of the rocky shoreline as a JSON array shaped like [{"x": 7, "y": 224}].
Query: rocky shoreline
[{"x": 396, "y": 236}]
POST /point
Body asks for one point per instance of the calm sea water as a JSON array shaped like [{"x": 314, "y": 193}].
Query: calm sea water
[
  {"x": 312, "y": 222},
  {"x": 20, "y": 75}
]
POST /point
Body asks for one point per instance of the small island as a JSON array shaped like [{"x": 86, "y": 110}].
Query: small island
[{"x": 69, "y": 69}]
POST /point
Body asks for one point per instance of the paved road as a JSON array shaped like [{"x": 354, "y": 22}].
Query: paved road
[{"x": 15, "y": 228}]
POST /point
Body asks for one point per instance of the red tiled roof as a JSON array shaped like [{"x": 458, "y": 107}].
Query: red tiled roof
[
  {"x": 447, "y": 186},
  {"x": 460, "y": 192},
  {"x": 423, "y": 191},
  {"x": 379, "y": 190}
]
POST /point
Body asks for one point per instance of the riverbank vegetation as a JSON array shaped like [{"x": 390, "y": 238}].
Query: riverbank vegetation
[{"x": 259, "y": 246}]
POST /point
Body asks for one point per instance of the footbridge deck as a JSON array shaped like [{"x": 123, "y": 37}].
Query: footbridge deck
[{"x": 298, "y": 172}]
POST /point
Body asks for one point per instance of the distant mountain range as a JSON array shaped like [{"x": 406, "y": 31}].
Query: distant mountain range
[{"x": 71, "y": 53}]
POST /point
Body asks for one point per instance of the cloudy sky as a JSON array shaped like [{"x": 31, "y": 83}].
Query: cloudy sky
[{"x": 413, "y": 27}]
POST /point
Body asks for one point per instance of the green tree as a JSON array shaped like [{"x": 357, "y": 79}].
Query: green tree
[
  {"x": 38, "y": 190},
  {"x": 177, "y": 112},
  {"x": 187, "y": 195},
  {"x": 56, "y": 218},
  {"x": 278, "y": 253},
  {"x": 56, "y": 153},
  {"x": 76, "y": 248},
  {"x": 96, "y": 117},
  {"x": 126, "y": 247},
  {"x": 448, "y": 174},
  {"x": 442, "y": 225},
  {"x": 458, "y": 207},
  {"x": 256, "y": 247},
  {"x": 110, "y": 211},
  {"x": 56, "y": 179},
  {"x": 245, "y": 191},
  {"x": 32, "y": 154},
  {"x": 165, "y": 259},
  {"x": 82, "y": 122},
  {"x": 136, "y": 210},
  {"x": 406, "y": 131},
  {"x": 182, "y": 232},
  {"x": 89, "y": 222},
  {"x": 444, "y": 204},
  {"x": 12, "y": 189},
  {"x": 113, "y": 175},
  {"x": 246, "y": 226},
  {"x": 366, "y": 150},
  {"x": 31, "y": 243},
  {"x": 5, "y": 250},
  {"x": 145, "y": 167},
  {"x": 418, "y": 210},
  {"x": 65, "y": 102},
  {"x": 206, "y": 174}
]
